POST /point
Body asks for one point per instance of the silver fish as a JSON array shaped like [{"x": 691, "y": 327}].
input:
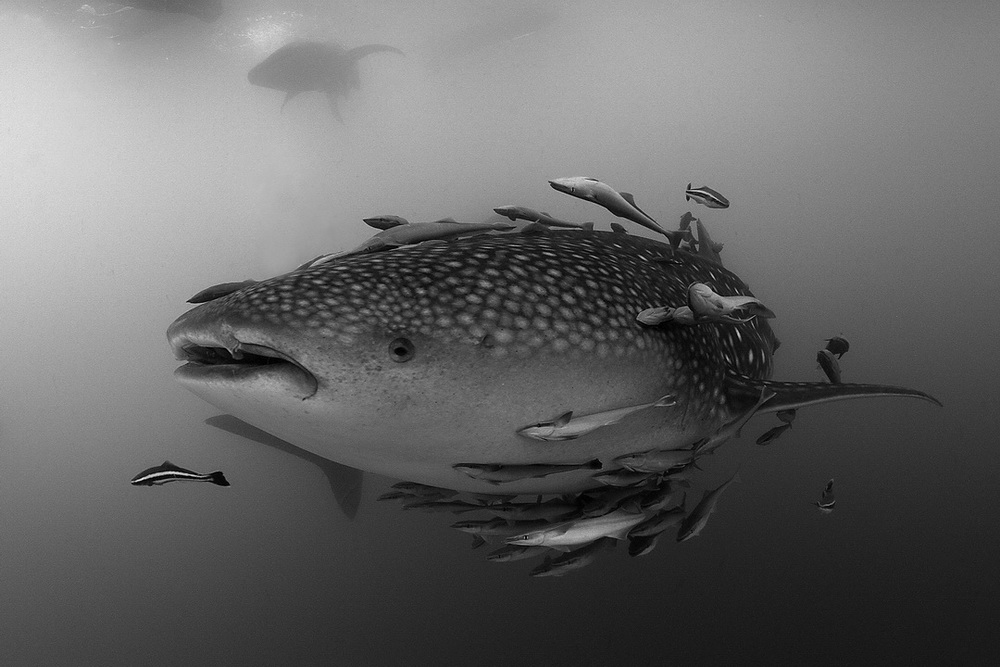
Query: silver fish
[
  {"x": 568, "y": 427},
  {"x": 621, "y": 204},
  {"x": 572, "y": 561},
  {"x": 707, "y": 196},
  {"x": 696, "y": 521},
  {"x": 615, "y": 524},
  {"x": 706, "y": 304},
  {"x": 773, "y": 434},
  {"x": 404, "y": 362},
  {"x": 513, "y": 552},
  {"x": 531, "y": 215},
  {"x": 656, "y": 460},
  {"x": 499, "y": 474},
  {"x": 662, "y": 314},
  {"x": 168, "y": 472}
]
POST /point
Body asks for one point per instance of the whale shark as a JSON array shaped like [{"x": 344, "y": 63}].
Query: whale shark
[
  {"x": 304, "y": 66},
  {"x": 408, "y": 362}
]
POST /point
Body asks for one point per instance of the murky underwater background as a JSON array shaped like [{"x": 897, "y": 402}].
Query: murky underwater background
[{"x": 858, "y": 142}]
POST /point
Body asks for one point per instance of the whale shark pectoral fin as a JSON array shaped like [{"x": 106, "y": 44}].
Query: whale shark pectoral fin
[
  {"x": 345, "y": 482},
  {"x": 791, "y": 395},
  {"x": 331, "y": 97},
  {"x": 288, "y": 96}
]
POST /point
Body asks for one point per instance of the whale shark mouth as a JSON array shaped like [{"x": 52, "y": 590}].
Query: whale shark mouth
[{"x": 230, "y": 361}]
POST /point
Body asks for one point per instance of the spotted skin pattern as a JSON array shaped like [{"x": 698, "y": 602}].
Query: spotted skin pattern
[
  {"x": 573, "y": 294},
  {"x": 414, "y": 359}
]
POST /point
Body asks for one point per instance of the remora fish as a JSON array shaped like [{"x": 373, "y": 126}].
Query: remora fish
[
  {"x": 168, "y": 472},
  {"x": 415, "y": 232},
  {"x": 657, "y": 460},
  {"x": 499, "y": 474},
  {"x": 531, "y": 215},
  {"x": 568, "y": 427},
  {"x": 706, "y": 304},
  {"x": 405, "y": 362},
  {"x": 562, "y": 536},
  {"x": 773, "y": 434},
  {"x": 621, "y": 204},
  {"x": 219, "y": 291},
  {"x": 707, "y": 196},
  {"x": 574, "y": 560},
  {"x": 696, "y": 521},
  {"x": 305, "y": 66}
]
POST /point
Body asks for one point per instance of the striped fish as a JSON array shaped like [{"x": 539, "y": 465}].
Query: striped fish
[
  {"x": 168, "y": 472},
  {"x": 707, "y": 196}
]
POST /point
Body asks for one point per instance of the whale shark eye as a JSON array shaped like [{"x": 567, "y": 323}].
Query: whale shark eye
[{"x": 401, "y": 349}]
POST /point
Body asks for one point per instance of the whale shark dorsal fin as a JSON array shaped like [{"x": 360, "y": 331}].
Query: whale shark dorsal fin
[{"x": 743, "y": 390}]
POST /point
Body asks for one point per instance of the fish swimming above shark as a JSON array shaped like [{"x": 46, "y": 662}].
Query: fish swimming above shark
[
  {"x": 305, "y": 66},
  {"x": 408, "y": 361},
  {"x": 621, "y": 204}
]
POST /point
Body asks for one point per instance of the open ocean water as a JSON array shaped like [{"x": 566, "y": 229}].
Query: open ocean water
[{"x": 859, "y": 143}]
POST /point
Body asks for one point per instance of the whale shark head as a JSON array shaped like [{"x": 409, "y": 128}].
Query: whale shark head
[{"x": 409, "y": 361}]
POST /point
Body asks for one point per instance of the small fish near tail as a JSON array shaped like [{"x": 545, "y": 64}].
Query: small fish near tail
[{"x": 790, "y": 395}]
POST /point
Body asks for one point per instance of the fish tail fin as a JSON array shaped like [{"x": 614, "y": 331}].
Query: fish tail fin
[
  {"x": 793, "y": 395},
  {"x": 218, "y": 478},
  {"x": 593, "y": 464},
  {"x": 477, "y": 541},
  {"x": 666, "y": 401}
]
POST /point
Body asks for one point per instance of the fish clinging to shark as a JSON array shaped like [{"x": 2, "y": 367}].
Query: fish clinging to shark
[{"x": 410, "y": 362}]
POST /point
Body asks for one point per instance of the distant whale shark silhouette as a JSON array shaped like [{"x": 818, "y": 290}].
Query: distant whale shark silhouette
[
  {"x": 305, "y": 66},
  {"x": 206, "y": 10}
]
